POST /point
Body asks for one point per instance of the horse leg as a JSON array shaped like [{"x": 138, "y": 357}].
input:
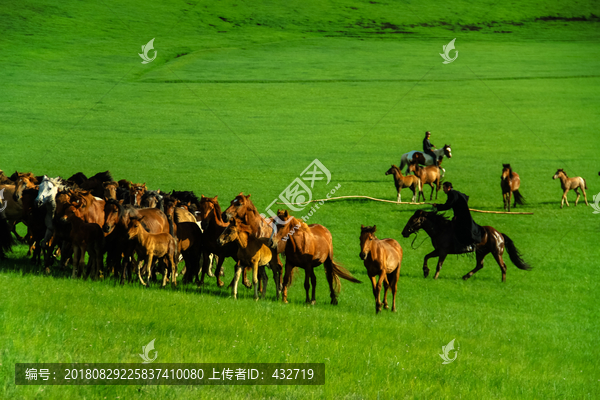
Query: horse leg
[
  {"x": 431, "y": 196},
  {"x": 76, "y": 255},
  {"x": 329, "y": 274},
  {"x": 584, "y": 195},
  {"x": 276, "y": 275},
  {"x": 236, "y": 279},
  {"x": 441, "y": 259},
  {"x": 480, "y": 255},
  {"x": 378, "y": 292},
  {"x": 509, "y": 194},
  {"x": 500, "y": 261},
  {"x": 564, "y": 199},
  {"x": 399, "y": 197},
  {"x": 173, "y": 271},
  {"x": 375, "y": 292},
  {"x": 264, "y": 279},
  {"x": 394, "y": 285},
  {"x": 287, "y": 278},
  {"x": 578, "y": 196},
  {"x": 412, "y": 188},
  {"x": 255, "y": 279},
  {"x": 307, "y": 271},
  {"x": 313, "y": 280},
  {"x": 434, "y": 253},
  {"x": 386, "y": 286}
]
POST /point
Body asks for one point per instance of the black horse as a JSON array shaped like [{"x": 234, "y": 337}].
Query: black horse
[{"x": 439, "y": 228}]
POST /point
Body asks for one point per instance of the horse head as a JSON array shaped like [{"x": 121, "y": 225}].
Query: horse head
[
  {"x": 47, "y": 191},
  {"x": 230, "y": 233},
  {"x": 448, "y": 151},
  {"x": 367, "y": 234},
  {"x": 558, "y": 173},
  {"x": 415, "y": 223},
  {"x": 238, "y": 207}
]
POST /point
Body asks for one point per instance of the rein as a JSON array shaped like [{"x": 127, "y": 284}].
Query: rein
[{"x": 413, "y": 242}]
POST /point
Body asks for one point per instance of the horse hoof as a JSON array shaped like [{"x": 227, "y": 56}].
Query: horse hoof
[
  {"x": 220, "y": 283},
  {"x": 386, "y": 307},
  {"x": 466, "y": 277}
]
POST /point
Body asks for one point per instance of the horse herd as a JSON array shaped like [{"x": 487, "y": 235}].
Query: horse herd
[{"x": 128, "y": 230}]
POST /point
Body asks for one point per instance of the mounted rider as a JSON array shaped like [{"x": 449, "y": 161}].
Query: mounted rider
[
  {"x": 467, "y": 233},
  {"x": 428, "y": 148}
]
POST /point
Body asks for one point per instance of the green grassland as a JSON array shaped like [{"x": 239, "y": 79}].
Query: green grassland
[{"x": 242, "y": 97}]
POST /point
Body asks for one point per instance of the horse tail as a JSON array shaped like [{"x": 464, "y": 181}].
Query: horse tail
[
  {"x": 6, "y": 239},
  {"x": 584, "y": 183},
  {"x": 519, "y": 199},
  {"x": 340, "y": 272},
  {"x": 514, "y": 254}
]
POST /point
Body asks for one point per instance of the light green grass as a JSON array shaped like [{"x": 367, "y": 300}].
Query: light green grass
[{"x": 248, "y": 110}]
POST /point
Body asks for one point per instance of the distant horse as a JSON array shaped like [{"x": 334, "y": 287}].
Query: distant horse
[
  {"x": 149, "y": 245},
  {"x": 252, "y": 252},
  {"x": 510, "y": 182},
  {"x": 425, "y": 159},
  {"x": 570, "y": 184},
  {"x": 307, "y": 247},
  {"x": 110, "y": 190},
  {"x": 383, "y": 258},
  {"x": 213, "y": 226},
  {"x": 47, "y": 196},
  {"x": 85, "y": 237},
  {"x": 95, "y": 184},
  {"x": 429, "y": 176},
  {"x": 410, "y": 181},
  {"x": 136, "y": 192},
  {"x": 439, "y": 228}
]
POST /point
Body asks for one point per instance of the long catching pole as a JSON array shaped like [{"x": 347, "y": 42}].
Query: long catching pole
[{"x": 402, "y": 202}]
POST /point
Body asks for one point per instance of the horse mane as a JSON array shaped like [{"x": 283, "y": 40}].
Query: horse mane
[
  {"x": 563, "y": 171},
  {"x": 216, "y": 204},
  {"x": 510, "y": 171},
  {"x": 78, "y": 178},
  {"x": 438, "y": 218},
  {"x": 185, "y": 196},
  {"x": 103, "y": 176}
]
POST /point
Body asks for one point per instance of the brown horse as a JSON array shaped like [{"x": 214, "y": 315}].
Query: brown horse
[
  {"x": 117, "y": 218},
  {"x": 213, "y": 225},
  {"x": 136, "y": 191},
  {"x": 252, "y": 252},
  {"x": 440, "y": 229},
  {"x": 24, "y": 181},
  {"x": 510, "y": 182},
  {"x": 13, "y": 210},
  {"x": 429, "y": 176},
  {"x": 307, "y": 247},
  {"x": 110, "y": 190},
  {"x": 383, "y": 258},
  {"x": 410, "y": 181},
  {"x": 85, "y": 237},
  {"x": 570, "y": 184},
  {"x": 149, "y": 245},
  {"x": 91, "y": 208}
]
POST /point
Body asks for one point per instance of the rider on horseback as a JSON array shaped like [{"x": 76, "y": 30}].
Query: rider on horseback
[
  {"x": 467, "y": 233},
  {"x": 428, "y": 148}
]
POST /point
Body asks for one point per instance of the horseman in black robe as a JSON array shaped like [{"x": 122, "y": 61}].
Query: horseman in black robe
[
  {"x": 428, "y": 147},
  {"x": 466, "y": 232}
]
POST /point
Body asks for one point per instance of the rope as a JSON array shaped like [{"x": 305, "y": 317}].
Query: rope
[{"x": 402, "y": 202}]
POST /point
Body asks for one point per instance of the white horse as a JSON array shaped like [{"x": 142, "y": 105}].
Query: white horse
[
  {"x": 408, "y": 158},
  {"x": 47, "y": 195}
]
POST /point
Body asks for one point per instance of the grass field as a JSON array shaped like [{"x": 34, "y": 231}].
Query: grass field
[{"x": 242, "y": 97}]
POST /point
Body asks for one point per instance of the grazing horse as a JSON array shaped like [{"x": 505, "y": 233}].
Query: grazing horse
[
  {"x": 253, "y": 252},
  {"x": 383, "y": 258},
  {"x": 429, "y": 176},
  {"x": 149, "y": 245},
  {"x": 410, "y": 181},
  {"x": 425, "y": 159},
  {"x": 85, "y": 237},
  {"x": 570, "y": 184},
  {"x": 136, "y": 192},
  {"x": 510, "y": 182},
  {"x": 307, "y": 247},
  {"x": 440, "y": 229}
]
